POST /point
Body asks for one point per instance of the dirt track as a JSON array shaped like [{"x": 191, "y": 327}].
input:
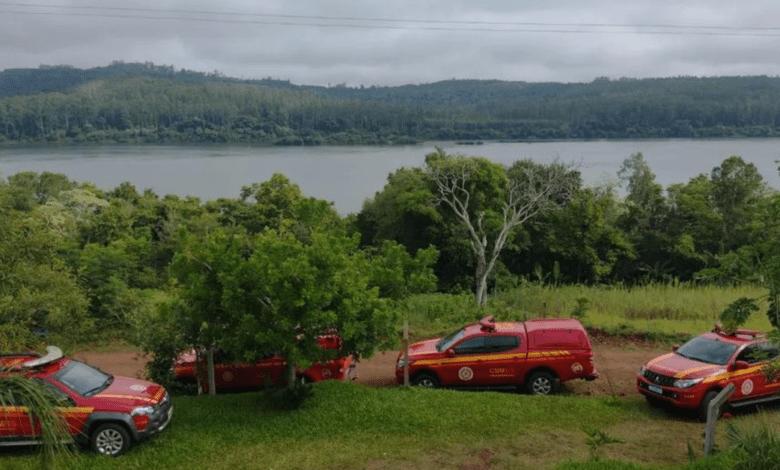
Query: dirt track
[{"x": 618, "y": 366}]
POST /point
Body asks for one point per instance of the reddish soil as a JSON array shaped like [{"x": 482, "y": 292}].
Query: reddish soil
[{"x": 617, "y": 364}]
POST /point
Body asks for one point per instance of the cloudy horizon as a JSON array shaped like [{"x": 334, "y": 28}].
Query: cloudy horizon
[{"x": 371, "y": 43}]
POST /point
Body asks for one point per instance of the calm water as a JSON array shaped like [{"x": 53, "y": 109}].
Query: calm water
[{"x": 349, "y": 175}]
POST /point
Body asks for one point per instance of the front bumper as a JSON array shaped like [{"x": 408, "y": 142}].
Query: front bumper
[
  {"x": 679, "y": 397},
  {"x": 160, "y": 419}
]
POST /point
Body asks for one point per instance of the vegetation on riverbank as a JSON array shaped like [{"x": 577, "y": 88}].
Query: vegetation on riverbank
[{"x": 145, "y": 103}]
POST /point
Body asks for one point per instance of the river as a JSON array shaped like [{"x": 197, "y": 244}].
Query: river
[{"x": 348, "y": 175}]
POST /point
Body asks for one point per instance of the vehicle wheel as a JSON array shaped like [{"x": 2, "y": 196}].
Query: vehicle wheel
[
  {"x": 705, "y": 404},
  {"x": 425, "y": 380},
  {"x": 541, "y": 383},
  {"x": 110, "y": 439},
  {"x": 185, "y": 387},
  {"x": 654, "y": 401}
]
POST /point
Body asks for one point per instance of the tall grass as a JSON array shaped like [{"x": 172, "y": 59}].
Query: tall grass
[
  {"x": 652, "y": 308},
  {"x": 43, "y": 409}
]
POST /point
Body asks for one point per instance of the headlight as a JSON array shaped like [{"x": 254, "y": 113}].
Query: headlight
[
  {"x": 685, "y": 383},
  {"x": 402, "y": 362},
  {"x": 642, "y": 370},
  {"x": 142, "y": 410}
]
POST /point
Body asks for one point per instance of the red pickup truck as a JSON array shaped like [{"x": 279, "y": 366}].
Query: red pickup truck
[
  {"x": 233, "y": 375},
  {"x": 104, "y": 411},
  {"x": 693, "y": 374},
  {"x": 536, "y": 354}
]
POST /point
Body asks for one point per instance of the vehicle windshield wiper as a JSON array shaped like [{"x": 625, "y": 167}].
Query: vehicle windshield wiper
[{"x": 100, "y": 387}]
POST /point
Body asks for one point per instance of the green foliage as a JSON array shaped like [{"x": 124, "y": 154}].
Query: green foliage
[
  {"x": 144, "y": 103},
  {"x": 737, "y": 313},
  {"x": 289, "y": 398},
  {"x": 754, "y": 446},
  {"x": 596, "y": 439},
  {"x": 580, "y": 309},
  {"x": 663, "y": 313},
  {"x": 36, "y": 289},
  {"x": 270, "y": 291},
  {"x": 42, "y": 406},
  {"x": 398, "y": 275}
]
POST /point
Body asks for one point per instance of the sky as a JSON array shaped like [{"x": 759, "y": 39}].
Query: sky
[{"x": 390, "y": 43}]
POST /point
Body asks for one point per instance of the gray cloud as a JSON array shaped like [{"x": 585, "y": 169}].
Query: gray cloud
[{"x": 320, "y": 42}]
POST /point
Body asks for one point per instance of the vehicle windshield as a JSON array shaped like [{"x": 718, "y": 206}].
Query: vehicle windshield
[
  {"x": 707, "y": 350},
  {"x": 83, "y": 379},
  {"x": 445, "y": 343}
]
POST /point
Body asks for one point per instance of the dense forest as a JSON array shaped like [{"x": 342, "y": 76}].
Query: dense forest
[
  {"x": 76, "y": 258},
  {"x": 147, "y": 103}
]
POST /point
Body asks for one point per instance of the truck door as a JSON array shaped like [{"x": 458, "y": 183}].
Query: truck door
[
  {"x": 468, "y": 366},
  {"x": 14, "y": 422},
  {"x": 505, "y": 359},
  {"x": 753, "y": 383}
]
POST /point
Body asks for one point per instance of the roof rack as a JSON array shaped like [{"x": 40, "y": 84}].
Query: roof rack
[
  {"x": 487, "y": 323},
  {"x": 52, "y": 354},
  {"x": 752, "y": 334}
]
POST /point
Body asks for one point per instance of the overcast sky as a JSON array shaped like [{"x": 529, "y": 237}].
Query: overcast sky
[{"x": 368, "y": 42}]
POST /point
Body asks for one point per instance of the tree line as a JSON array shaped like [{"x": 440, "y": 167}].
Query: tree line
[
  {"x": 145, "y": 103},
  {"x": 273, "y": 266}
]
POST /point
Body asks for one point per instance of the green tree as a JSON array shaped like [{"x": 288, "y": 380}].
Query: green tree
[
  {"x": 271, "y": 291},
  {"x": 37, "y": 291},
  {"x": 582, "y": 243},
  {"x": 737, "y": 189}
]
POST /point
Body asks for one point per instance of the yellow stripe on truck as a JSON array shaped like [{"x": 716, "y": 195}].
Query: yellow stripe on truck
[{"x": 491, "y": 358}]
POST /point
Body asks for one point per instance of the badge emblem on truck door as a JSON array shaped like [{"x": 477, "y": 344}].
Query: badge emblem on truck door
[{"x": 465, "y": 374}]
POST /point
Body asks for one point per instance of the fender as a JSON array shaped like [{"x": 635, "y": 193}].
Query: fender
[{"x": 95, "y": 419}]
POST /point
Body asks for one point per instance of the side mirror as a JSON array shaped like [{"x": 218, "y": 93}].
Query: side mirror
[
  {"x": 675, "y": 347},
  {"x": 450, "y": 353},
  {"x": 741, "y": 365}
]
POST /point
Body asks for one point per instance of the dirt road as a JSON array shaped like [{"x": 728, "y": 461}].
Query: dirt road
[{"x": 618, "y": 366}]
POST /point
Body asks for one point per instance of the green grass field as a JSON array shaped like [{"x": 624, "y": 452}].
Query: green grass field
[{"x": 348, "y": 426}]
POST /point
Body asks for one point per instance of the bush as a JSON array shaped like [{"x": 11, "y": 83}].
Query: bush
[
  {"x": 289, "y": 398},
  {"x": 754, "y": 447}
]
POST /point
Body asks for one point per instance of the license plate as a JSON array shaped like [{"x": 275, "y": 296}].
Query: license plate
[{"x": 655, "y": 389}]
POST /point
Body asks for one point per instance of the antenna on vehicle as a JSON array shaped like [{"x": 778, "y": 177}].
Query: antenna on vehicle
[{"x": 487, "y": 323}]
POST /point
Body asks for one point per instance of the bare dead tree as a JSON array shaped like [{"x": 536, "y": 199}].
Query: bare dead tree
[{"x": 528, "y": 189}]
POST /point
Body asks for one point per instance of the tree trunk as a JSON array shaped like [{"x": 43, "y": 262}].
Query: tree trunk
[
  {"x": 210, "y": 367},
  {"x": 290, "y": 374},
  {"x": 481, "y": 279}
]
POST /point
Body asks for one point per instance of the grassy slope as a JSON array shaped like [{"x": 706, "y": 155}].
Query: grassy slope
[{"x": 347, "y": 426}]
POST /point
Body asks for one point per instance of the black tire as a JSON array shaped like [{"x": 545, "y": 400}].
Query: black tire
[
  {"x": 705, "y": 404},
  {"x": 541, "y": 383},
  {"x": 110, "y": 439},
  {"x": 425, "y": 380},
  {"x": 655, "y": 402}
]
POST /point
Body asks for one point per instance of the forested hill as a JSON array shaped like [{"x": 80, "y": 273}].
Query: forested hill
[{"x": 136, "y": 102}]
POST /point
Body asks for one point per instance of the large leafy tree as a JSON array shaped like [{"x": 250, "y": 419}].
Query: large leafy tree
[
  {"x": 581, "y": 243},
  {"x": 282, "y": 271},
  {"x": 271, "y": 291},
  {"x": 37, "y": 291},
  {"x": 402, "y": 212},
  {"x": 737, "y": 190},
  {"x": 643, "y": 221}
]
